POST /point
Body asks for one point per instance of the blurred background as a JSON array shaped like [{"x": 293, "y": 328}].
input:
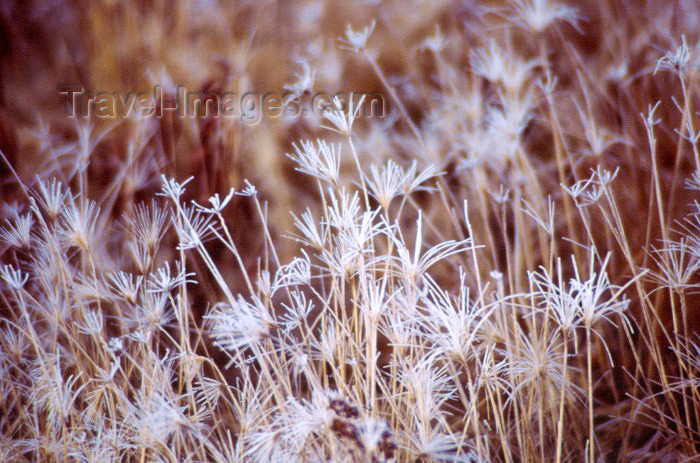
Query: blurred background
[{"x": 602, "y": 61}]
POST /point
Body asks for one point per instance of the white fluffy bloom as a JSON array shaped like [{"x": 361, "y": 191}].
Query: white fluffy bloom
[
  {"x": 296, "y": 272},
  {"x": 311, "y": 234},
  {"x": 413, "y": 266},
  {"x": 241, "y": 325},
  {"x": 18, "y": 232},
  {"x": 499, "y": 65},
  {"x": 172, "y": 188},
  {"x": 675, "y": 60},
  {"x": 124, "y": 285},
  {"x": 217, "y": 204},
  {"x": 14, "y": 278},
  {"x": 157, "y": 418},
  {"x": 79, "y": 224},
  {"x": 163, "y": 281},
  {"x": 451, "y": 325},
  {"x": 321, "y": 161},
  {"x": 597, "y": 297},
  {"x": 304, "y": 80},
  {"x": 52, "y": 196},
  {"x": 537, "y": 15},
  {"x": 341, "y": 119},
  {"x": 390, "y": 180},
  {"x": 194, "y": 227},
  {"x": 357, "y": 40},
  {"x": 435, "y": 42}
]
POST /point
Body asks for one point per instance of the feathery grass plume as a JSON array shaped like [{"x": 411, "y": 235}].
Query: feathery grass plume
[
  {"x": 322, "y": 162},
  {"x": 537, "y": 15},
  {"x": 241, "y": 325}
]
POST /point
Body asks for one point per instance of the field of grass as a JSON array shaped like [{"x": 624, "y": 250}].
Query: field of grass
[{"x": 369, "y": 231}]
